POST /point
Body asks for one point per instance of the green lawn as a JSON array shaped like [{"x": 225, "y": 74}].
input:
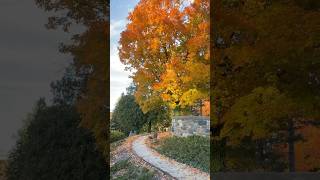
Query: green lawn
[
  {"x": 192, "y": 150},
  {"x": 124, "y": 170}
]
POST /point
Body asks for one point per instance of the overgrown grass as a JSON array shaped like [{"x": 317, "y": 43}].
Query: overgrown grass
[
  {"x": 124, "y": 170},
  {"x": 191, "y": 150}
]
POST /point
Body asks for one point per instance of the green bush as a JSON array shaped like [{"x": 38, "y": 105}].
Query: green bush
[
  {"x": 127, "y": 115},
  {"x": 191, "y": 150},
  {"x": 116, "y": 135}
]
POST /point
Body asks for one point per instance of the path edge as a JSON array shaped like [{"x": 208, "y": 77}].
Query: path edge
[{"x": 164, "y": 172}]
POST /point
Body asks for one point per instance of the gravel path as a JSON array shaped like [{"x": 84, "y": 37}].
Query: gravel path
[
  {"x": 124, "y": 151},
  {"x": 175, "y": 169}
]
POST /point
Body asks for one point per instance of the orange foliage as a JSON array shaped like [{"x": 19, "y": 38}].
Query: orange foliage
[
  {"x": 170, "y": 46},
  {"x": 206, "y": 108}
]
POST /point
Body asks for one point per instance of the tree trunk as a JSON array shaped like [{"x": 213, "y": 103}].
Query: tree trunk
[
  {"x": 201, "y": 107},
  {"x": 291, "y": 150},
  {"x": 218, "y": 155},
  {"x": 149, "y": 128}
]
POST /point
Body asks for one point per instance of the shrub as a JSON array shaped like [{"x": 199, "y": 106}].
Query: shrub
[
  {"x": 191, "y": 150},
  {"x": 127, "y": 115},
  {"x": 116, "y": 135}
]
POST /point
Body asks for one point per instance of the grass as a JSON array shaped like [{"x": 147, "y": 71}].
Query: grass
[
  {"x": 124, "y": 169},
  {"x": 191, "y": 150},
  {"x": 116, "y": 135}
]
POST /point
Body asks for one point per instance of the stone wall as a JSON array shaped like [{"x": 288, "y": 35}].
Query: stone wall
[{"x": 191, "y": 125}]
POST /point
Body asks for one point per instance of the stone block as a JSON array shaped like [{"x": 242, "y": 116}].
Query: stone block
[
  {"x": 202, "y": 122},
  {"x": 191, "y": 125}
]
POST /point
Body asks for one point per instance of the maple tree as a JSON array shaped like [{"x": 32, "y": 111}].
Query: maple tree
[{"x": 169, "y": 52}]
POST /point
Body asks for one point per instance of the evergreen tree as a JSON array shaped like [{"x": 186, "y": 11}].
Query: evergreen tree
[{"x": 52, "y": 146}]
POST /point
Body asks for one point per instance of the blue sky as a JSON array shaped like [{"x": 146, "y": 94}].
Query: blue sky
[{"x": 119, "y": 80}]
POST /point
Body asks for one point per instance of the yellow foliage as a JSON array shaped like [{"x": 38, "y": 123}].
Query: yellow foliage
[{"x": 170, "y": 55}]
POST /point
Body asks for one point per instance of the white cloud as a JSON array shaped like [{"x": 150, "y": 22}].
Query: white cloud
[
  {"x": 190, "y": 1},
  {"x": 116, "y": 27},
  {"x": 119, "y": 78},
  {"x": 187, "y": 3}
]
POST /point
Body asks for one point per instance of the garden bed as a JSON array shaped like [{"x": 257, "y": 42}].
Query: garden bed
[{"x": 191, "y": 150}]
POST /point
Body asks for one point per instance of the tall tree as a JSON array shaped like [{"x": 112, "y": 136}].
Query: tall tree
[{"x": 169, "y": 51}]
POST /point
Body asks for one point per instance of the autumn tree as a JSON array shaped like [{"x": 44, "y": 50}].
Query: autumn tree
[
  {"x": 259, "y": 47},
  {"x": 169, "y": 51}
]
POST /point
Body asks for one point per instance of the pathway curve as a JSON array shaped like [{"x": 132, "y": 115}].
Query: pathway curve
[
  {"x": 124, "y": 151},
  {"x": 174, "y": 168}
]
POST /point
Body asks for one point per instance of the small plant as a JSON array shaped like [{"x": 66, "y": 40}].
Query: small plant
[{"x": 116, "y": 135}]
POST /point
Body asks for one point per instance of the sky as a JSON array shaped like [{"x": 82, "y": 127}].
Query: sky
[
  {"x": 119, "y": 78},
  {"x": 29, "y": 61}
]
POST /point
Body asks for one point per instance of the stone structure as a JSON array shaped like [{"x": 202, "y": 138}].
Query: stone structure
[{"x": 191, "y": 125}]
